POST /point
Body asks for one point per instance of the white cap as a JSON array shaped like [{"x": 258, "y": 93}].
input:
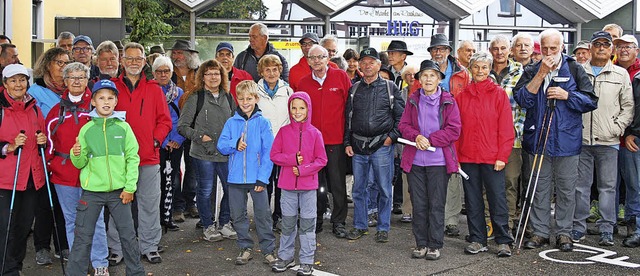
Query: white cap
[
  {"x": 626, "y": 38},
  {"x": 14, "y": 69}
]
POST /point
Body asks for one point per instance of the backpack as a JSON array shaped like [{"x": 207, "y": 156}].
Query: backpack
[{"x": 200, "y": 103}]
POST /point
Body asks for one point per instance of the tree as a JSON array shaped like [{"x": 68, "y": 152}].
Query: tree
[
  {"x": 234, "y": 9},
  {"x": 146, "y": 20}
]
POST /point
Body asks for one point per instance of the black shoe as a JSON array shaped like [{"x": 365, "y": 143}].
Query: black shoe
[
  {"x": 536, "y": 242},
  {"x": 199, "y": 224},
  {"x": 631, "y": 226},
  {"x": 339, "y": 230},
  {"x": 382, "y": 236},
  {"x": 397, "y": 210},
  {"x": 171, "y": 226},
  {"x": 318, "y": 226},
  {"x": 564, "y": 243},
  {"x": 632, "y": 241}
]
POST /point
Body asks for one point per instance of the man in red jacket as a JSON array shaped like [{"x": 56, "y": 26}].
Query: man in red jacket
[
  {"x": 224, "y": 55},
  {"x": 329, "y": 89},
  {"x": 303, "y": 69},
  {"x": 148, "y": 115}
]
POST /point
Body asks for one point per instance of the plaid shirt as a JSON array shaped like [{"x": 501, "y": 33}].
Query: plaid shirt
[{"x": 508, "y": 84}]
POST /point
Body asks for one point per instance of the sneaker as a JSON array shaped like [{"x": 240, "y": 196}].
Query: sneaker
[
  {"x": 397, "y": 210},
  {"x": 475, "y": 248},
  {"x": 373, "y": 220},
  {"x": 419, "y": 253},
  {"x": 606, "y": 239},
  {"x": 432, "y": 254},
  {"x": 193, "y": 212},
  {"x": 282, "y": 265},
  {"x": 452, "y": 230},
  {"x": 594, "y": 212},
  {"x": 327, "y": 214},
  {"x": 64, "y": 254},
  {"x": 504, "y": 250},
  {"x": 152, "y": 257},
  {"x": 270, "y": 259},
  {"x": 228, "y": 232},
  {"x": 178, "y": 217},
  {"x": 357, "y": 233},
  {"x": 305, "y": 270},
  {"x": 621, "y": 212},
  {"x": 382, "y": 236},
  {"x": 101, "y": 271},
  {"x": 244, "y": 256},
  {"x": 114, "y": 259},
  {"x": 339, "y": 230},
  {"x": 596, "y": 230},
  {"x": 43, "y": 257},
  {"x": 212, "y": 234},
  {"x": 564, "y": 243},
  {"x": 406, "y": 218},
  {"x": 577, "y": 236}
]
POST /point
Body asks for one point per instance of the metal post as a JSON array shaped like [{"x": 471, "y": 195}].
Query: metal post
[
  {"x": 454, "y": 30},
  {"x": 192, "y": 25},
  {"x": 327, "y": 25}
]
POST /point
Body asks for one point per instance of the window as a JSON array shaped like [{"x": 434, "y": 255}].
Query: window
[
  {"x": 509, "y": 8},
  {"x": 37, "y": 20}
]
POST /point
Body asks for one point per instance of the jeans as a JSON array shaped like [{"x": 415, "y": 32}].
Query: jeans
[
  {"x": 184, "y": 197},
  {"x": 373, "y": 193},
  {"x": 428, "y": 192},
  {"x": 261, "y": 217},
  {"x": 381, "y": 162},
  {"x": 69, "y": 197},
  {"x": 207, "y": 173},
  {"x": 630, "y": 169}
]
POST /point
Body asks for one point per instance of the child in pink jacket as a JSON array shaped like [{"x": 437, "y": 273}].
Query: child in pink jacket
[{"x": 299, "y": 149}]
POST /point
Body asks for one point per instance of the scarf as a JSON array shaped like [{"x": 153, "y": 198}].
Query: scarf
[
  {"x": 270, "y": 92},
  {"x": 58, "y": 88},
  {"x": 170, "y": 91}
]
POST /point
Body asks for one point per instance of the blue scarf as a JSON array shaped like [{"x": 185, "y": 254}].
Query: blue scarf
[{"x": 270, "y": 92}]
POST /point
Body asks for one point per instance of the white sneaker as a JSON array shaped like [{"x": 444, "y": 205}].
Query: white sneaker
[
  {"x": 212, "y": 234},
  {"x": 228, "y": 232}
]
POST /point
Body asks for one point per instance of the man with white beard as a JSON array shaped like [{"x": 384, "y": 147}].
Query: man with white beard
[{"x": 108, "y": 60}]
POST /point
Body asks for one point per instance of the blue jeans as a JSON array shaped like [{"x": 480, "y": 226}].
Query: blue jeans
[
  {"x": 381, "y": 162},
  {"x": 630, "y": 169},
  {"x": 261, "y": 216},
  {"x": 372, "y": 191},
  {"x": 68, "y": 197},
  {"x": 206, "y": 172}
]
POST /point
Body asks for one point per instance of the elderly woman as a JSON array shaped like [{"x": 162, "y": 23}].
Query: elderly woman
[
  {"x": 171, "y": 148},
  {"x": 48, "y": 88},
  {"x": 407, "y": 74},
  {"x": 63, "y": 125},
  {"x": 431, "y": 120},
  {"x": 352, "y": 58},
  {"x": 20, "y": 135},
  {"x": 484, "y": 147},
  {"x": 202, "y": 125},
  {"x": 274, "y": 97}
]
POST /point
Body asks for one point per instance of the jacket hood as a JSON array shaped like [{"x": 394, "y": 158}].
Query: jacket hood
[
  {"x": 307, "y": 100},
  {"x": 121, "y": 115}
]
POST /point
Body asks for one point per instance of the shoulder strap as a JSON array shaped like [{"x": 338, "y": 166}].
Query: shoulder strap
[
  {"x": 390, "y": 94},
  {"x": 60, "y": 120},
  {"x": 175, "y": 108},
  {"x": 200, "y": 95},
  {"x": 231, "y": 102}
]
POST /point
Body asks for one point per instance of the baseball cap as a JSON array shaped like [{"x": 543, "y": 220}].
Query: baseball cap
[
  {"x": 626, "y": 38},
  {"x": 83, "y": 38},
  {"x": 224, "y": 46},
  {"x": 584, "y": 44},
  {"x": 369, "y": 52},
  {"x": 601, "y": 34},
  {"x": 14, "y": 69},
  {"x": 104, "y": 84}
]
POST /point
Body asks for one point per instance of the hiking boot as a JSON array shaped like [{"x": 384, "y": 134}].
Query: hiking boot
[
  {"x": 228, "y": 232},
  {"x": 43, "y": 257},
  {"x": 101, "y": 271},
  {"x": 373, "y": 220},
  {"x": 305, "y": 270},
  {"x": 632, "y": 241},
  {"x": 419, "y": 253},
  {"x": 178, "y": 217},
  {"x": 631, "y": 226},
  {"x": 64, "y": 254},
  {"x": 406, "y": 218},
  {"x": 357, "y": 233},
  {"x": 270, "y": 259},
  {"x": 282, "y": 265},
  {"x": 452, "y": 230},
  {"x": 564, "y": 243},
  {"x": 114, "y": 259},
  {"x": 594, "y": 212},
  {"x": 596, "y": 230},
  {"x": 339, "y": 230},
  {"x": 606, "y": 239},
  {"x": 212, "y": 234},
  {"x": 244, "y": 256},
  {"x": 536, "y": 242},
  {"x": 504, "y": 250},
  {"x": 382, "y": 236},
  {"x": 193, "y": 212},
  {"x": 432, "y": 254},
  {"x": 475, "y": 248},
  {"x": 577, "y": 236}
]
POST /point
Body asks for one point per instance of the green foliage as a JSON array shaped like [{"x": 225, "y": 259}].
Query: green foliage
[
  {"x": 146, "y": 20},
  {"x": 232, "y": 9}
]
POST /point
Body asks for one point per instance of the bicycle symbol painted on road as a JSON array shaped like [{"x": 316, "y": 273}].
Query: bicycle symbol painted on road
[{"x": 601, "y": 256}]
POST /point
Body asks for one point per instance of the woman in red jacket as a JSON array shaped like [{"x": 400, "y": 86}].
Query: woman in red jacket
[
  {"x": 484, "y": 147},
  {"x": 21, "y": 127}
]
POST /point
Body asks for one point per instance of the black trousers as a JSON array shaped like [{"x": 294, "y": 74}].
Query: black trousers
[
  {"x": 21, "y": 220},
  {"x": 272, "y": 188},
  {"x": 333, "y": 177},
  {"x": 428, "y": 186},
  {"x": 43, "y": 227}
]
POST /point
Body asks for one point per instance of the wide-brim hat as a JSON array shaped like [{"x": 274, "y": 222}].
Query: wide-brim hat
[
  {"x": 398, "y": 46},
  {"x": 439, "y": 40},
  {"x": 184, "y": 45},
  {"x": 156, "y": 49},
  {"x": 429, "y": 65}
]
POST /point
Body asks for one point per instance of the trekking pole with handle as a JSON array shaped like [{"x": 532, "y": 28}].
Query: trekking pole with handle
[
  {"x": 13, "y": 196},
  {"x": 53, "y": 214}
]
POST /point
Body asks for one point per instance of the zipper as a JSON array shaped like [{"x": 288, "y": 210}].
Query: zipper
[
  {"x": 141, "y": 105},
  {"x": 106, "y": 145},
  {"x": 244, "y": 152},
  {"x": 299, "y": 150}
]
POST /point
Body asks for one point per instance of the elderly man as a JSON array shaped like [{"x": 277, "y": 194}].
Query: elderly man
[
  {"x": 185, "y": 64},
  {"x": 507, "y": 73},
  {"x": 108, "y": 60},
  {"x": 398, "y": 52},
  {"x": 464, "y": 52},
  {"x": 224, "y": 55},
  {"x": 522, "y": 48},
  {"x": 581, "y": 53},
  {"x": 373, "y": 112},
  {"x": 65, "y": 41},
  {"x": 330, "y": 42},
  {"x": 601, "y": 133},
  {"x": 557, "y": 87},
  {"x": 303, "y": 69},
  {"x": 328, "y": 89},
  {"x": 82, "y": 52},
  {"x": 149, "y": 117},
  {"x": 258, "y": 47},
  {"x": 8, "y": 55}
]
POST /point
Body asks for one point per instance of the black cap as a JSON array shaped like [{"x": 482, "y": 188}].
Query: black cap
[
  {"x": 439, "y": 40},
  {"x": 429, "y": 65},
  {"x": 398, "y": 46},
  {"x": 369, "y": 52},
  {"x": 601, "y": 34}
]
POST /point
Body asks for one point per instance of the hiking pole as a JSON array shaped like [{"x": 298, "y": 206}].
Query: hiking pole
[
  {"x": 13, "y": 196},
  {"x": 53, "y": 214},
  {"x": 551, "y": 105}
]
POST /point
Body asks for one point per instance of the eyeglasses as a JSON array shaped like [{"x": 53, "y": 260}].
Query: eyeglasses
[
  {"x": 439, "y": 49},
  {"x": 332, "y": 51},
  {"x": 161, "y": 72},
  {"x": 599, "y": 44},
  {"x": 61, "y": 63},
  {"x": 74, "y": 79},
  {"x": 132, "y": 59},
  {"x": 82, "y": 49},
  {"x": 212, "y": 74},
  {"x": 625, "y": 48},
  {"x": 308, "y": 43},
  {"x": 319, "y": 57},
  {"x": 224, "y": 54}
]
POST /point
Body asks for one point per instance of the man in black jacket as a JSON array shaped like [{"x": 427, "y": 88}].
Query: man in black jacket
[
  {"x": 259, "y": 46},
  {"x": 372, "y": 114}
]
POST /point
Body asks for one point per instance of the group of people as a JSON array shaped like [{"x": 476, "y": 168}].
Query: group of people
[{"x": 114, "y": 125}]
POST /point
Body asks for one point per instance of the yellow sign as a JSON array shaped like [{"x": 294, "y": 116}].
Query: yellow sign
[{"x": 282, "y": 45}]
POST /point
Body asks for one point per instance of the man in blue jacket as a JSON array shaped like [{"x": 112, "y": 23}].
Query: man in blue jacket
[{"x": 556, "y": 87}]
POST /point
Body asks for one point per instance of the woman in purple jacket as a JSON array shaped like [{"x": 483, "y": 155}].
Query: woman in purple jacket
[
  {"x": 431, "y": 119},
  {"x": 299, "y": 149}
]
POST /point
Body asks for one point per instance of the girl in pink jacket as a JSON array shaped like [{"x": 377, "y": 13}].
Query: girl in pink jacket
[{"x": 299, "y": 149}]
